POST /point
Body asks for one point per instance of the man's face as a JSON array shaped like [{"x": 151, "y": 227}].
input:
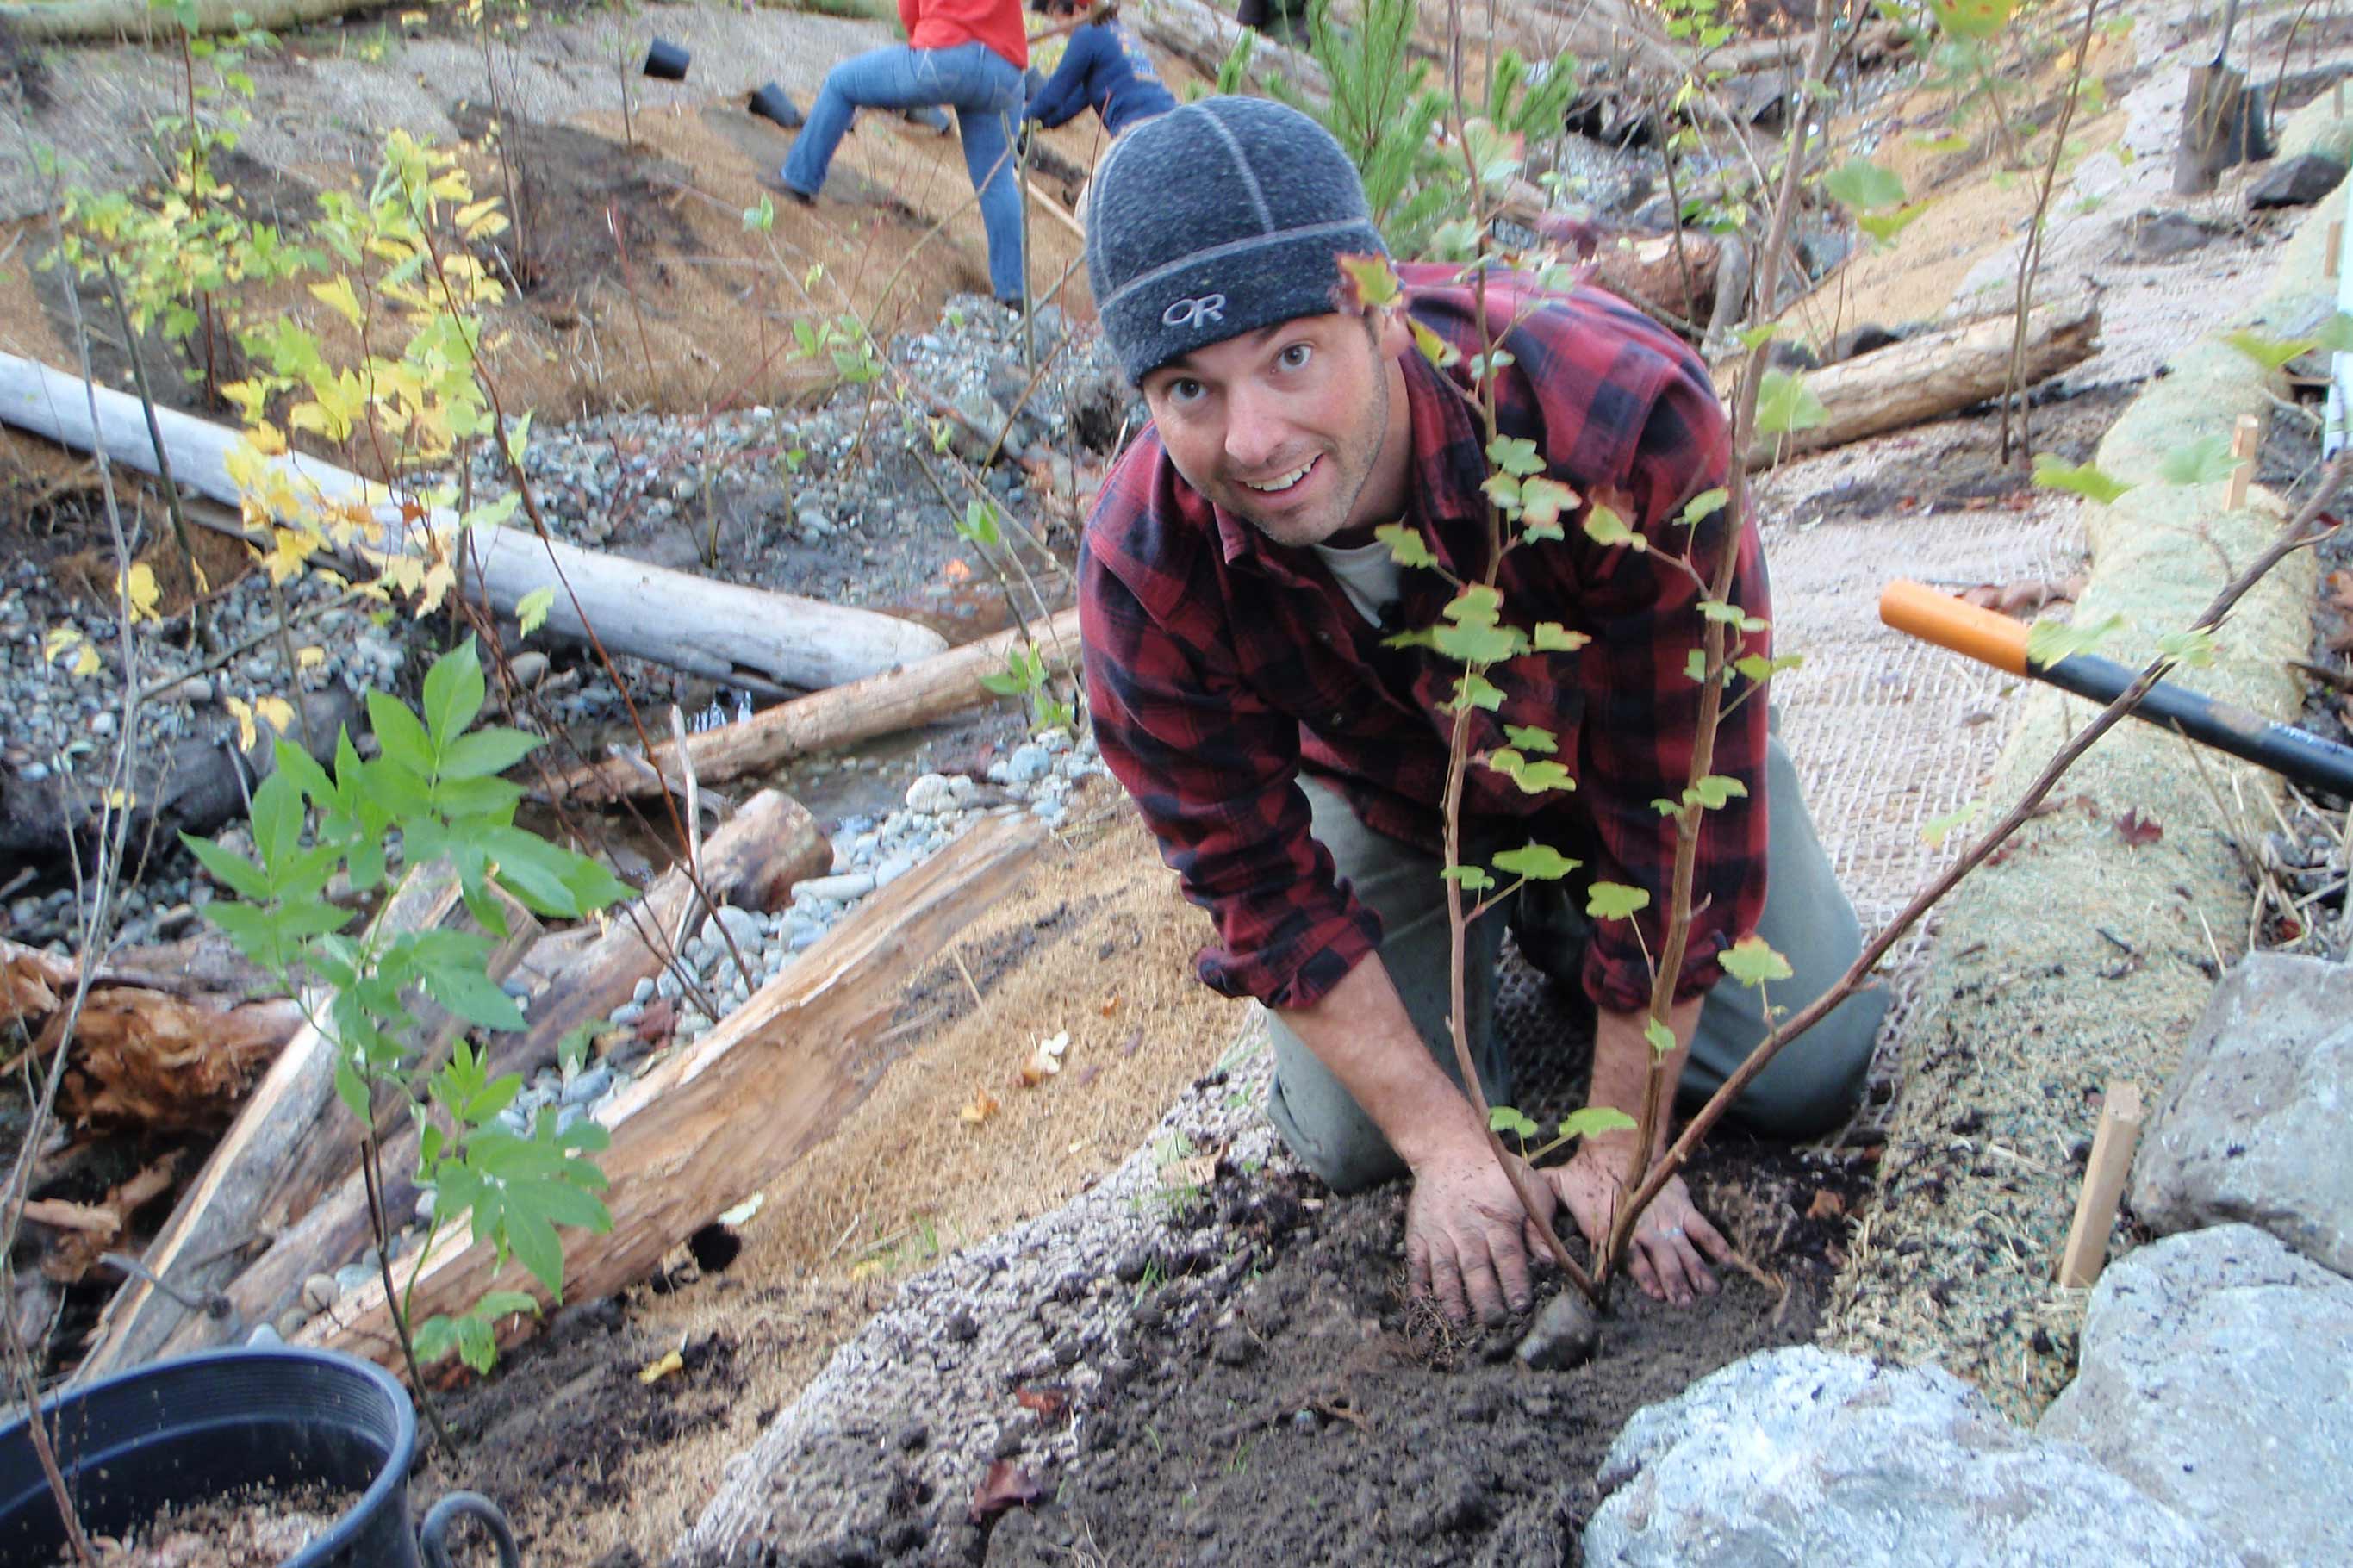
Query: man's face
[{"x": 1285, "y": 428}]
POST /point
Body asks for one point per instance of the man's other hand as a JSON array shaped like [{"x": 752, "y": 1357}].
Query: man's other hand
[
  {"x": 1466, "y": 1237},
  {"x": 1673, "y": 1242}
]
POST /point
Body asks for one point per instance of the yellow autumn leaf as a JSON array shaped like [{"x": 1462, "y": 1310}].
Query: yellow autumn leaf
[
  {"x": 58, "y": 640},
  {"x": 138, "y": 585},
  {"x": 439, "y": 580},
  {"x": 337, "y": 295},
  {"x": 120, "y": 799},
  {"x": 310, "y": 658},
  {"x": 267, "y": 439},
  {"x": 277, "y": 712},
  {"x": 981, "y": 1106},
  {"x": 85, "y": 662},
  {"x": 246, "y": 734},
  {"x": 661, "y": 1366},
  {"x": 248, "y": 397}
]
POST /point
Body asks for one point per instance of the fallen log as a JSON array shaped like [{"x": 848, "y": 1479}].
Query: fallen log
[
  {"x": 76, "y": 21},
  {"x": 1937, "y": 374},
  {"x": 226, "y": 1211},
  {"x": 192, "y": 785},
  {"x": 752, "y": 862},
  {"x": 145, "y": 1057},
  {"x": 710, "y": 628},
  {"x": 899, "y": 701},
  {"x": 722, "y": 1118}
]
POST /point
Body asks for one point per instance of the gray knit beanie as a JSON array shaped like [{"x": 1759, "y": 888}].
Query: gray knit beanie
[{"x": 1216, "y": 219}]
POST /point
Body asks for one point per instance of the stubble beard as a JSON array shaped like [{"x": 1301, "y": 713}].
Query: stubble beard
[{"x": 1351, "y": 457}]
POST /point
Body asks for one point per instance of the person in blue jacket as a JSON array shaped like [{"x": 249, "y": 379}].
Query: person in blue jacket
[{"x": 1103, "y": 69}]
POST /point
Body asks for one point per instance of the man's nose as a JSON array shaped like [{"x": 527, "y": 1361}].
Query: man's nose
[{"x": 1255, "y": 430}]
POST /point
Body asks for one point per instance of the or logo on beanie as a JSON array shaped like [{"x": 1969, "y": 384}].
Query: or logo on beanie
[
  {"x": 1204, "y": 311},
  {"x": 1250, "y": 202}
]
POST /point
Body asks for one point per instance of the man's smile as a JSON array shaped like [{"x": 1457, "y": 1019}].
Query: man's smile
[{"x": 1281, "y": 482}]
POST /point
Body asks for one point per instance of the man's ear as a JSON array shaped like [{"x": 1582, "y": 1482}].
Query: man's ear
[{"x": 1391, "y": 333}]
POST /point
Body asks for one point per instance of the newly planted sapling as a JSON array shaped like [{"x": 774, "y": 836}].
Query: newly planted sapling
[{"x": 434, "y": 797}]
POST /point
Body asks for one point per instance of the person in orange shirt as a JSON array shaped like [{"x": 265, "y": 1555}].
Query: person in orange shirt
[{"x": 965, "y": 54}]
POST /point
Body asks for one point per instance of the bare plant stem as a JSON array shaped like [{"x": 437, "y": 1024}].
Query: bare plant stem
[
  {"x": 1677, "y": 937},
  {"x": 372, "y": 1172},
  {"x": 2030, "y": 259},
  {"x": 2299, "y": 532},
  {"x": 163, "y": 463}
]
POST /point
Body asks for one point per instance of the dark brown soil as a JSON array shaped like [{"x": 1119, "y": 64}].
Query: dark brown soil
[
  {"x": 255, "y": 1528},
  {"x": 586, "y": 211},
  {"x": 551, "y": 1437},
  {"x": 1315, "y": 1416}
]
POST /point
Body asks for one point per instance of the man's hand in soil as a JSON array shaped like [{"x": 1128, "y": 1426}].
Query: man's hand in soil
[
  {"x": 1467, "y": 1237},
  {"x": 1672, "y": 1242}
]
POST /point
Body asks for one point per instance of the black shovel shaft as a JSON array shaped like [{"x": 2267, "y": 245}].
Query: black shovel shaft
[{"x": 2285, "y": 750}]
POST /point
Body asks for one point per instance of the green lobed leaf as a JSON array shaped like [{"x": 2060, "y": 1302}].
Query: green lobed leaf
[
  {"x": 1476, "y": 605},
  {"x": 1534, "y": 778},
  {"x": 1542, "y": 501},
  {"x": 1504, "y": 1119},
  {"x": 2205, "y": 461},
  {"x": 2086, "y": 479},
  {"x": 1530, "y": 738},
  {"x": 1702, "y": 507},
  {"x": 1885, "y": 227},
  {"x": 1474, "y": 691},
  {"x": 1615, "y": 901},
  {"x": 1660, "y": 1038},
  {"x": 2272, "y": 353},
  {"x": 2195, "y": 648},
  {"x": 1937, "y": 829},
  {"x": 1863, "y": 186},
  {"x": 1785, "y": 403},
  {"x": 1407, "y": 547},
  {"x": 1594, "y": 1120},
  {"x": 2048, "y": 642},
  {"x": 1752, "y": 962},
  {"x": 1514, "y": 455},
  {"x": 1605, "y": 527},
  {"x": 1551, "y": 636},
  {"x": 1474, "y": 879},
  {"x": 1474, "y": 644},
  {"x": 1715, "y": 790},
  {"x": 1537, "y": 862},
  {"x": 530, "y": 610}
]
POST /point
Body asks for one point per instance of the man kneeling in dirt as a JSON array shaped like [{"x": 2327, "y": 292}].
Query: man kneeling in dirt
[{"x": 1236, "y": 605}]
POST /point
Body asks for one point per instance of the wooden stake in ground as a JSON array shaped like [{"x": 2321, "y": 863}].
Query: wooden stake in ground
[
  {"x": 899, "y": 701},
  {"x": 727, "y": 1114},
  {"x": 2103, "y": 1187},
  {"x": 2245, "y": 436}
]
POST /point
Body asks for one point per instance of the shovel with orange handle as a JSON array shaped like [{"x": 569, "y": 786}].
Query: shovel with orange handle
[{"x": 1920, "y": 611}]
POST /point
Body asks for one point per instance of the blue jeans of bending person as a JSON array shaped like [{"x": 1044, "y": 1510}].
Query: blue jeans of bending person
[{"x": 985, "y": 90}]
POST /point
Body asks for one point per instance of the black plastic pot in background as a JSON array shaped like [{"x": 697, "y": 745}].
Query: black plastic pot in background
[
  {"x": 770, "y": 103},
  {"x": 666, "y": 61},
  {"x": 184, "y": 1432}
]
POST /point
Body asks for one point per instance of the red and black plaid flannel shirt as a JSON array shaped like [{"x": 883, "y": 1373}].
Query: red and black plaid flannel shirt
[{"x": 1220, "y": 663}]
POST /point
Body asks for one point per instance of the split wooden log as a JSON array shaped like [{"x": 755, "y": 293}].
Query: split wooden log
[
  {"x": 712, "y": 629},
  {"x": 721, "y": 1119},
  {"x": 1645, "y": 268},
  {"x": 823, "y": 719},
  {"x": 228, "y": 1209},
  {"x": 752, "y": 862},
  {"x": 1937, "y": 374},
  {"x": 146, "y": 1056}
]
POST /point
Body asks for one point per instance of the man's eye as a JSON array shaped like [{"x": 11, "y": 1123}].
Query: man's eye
[
  {"x": 1294, "y": 355},
  {"x": 1183, "y": 389}
]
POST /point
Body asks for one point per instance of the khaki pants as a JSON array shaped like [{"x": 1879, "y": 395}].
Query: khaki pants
[{"x": 1808, "y": 1088}]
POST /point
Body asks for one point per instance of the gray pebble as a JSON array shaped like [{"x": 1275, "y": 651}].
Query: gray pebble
[
  {"x": 320, "y": 1292},
  {"x": 589, "y": 1087},
  {"x": 628, "y": 1012},
  {"x": 643, "y": 992},
  {"x": 742, "y": 924},
  {"x": 842, "y": 889},
  {"x": 1026, "y": 764},
  {"x": 931, "y": 794}
]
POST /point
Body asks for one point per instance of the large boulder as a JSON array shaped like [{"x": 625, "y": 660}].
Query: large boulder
[
  {"x": 1799, "y": 1457},
  {"x": 2296, "y": 181},
  {"x": 2212, "y": 1375},
  {"x": 2252, "y": 1127}
]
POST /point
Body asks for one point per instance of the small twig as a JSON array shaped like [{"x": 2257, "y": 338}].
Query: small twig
[{"x": 957, "y": 953}]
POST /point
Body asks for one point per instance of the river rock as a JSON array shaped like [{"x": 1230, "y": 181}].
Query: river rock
[
  {"x": 2162, "y": 236},
  {"x": 931, "y": 794},
  {"x": 2212, "y": 1375},
  {"x": 2252, "y": 1126},
  {"x": 1799, "y": 1457},
  {"x": 740, "y": 924},
  {"x": 2295, "y": 183}
]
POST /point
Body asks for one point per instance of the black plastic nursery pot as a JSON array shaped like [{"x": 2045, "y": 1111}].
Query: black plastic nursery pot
[
  {"x": 182, "y": 1432},
  {"x": 770, "y": 103},
  {"x": 666, "y": 61}
]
